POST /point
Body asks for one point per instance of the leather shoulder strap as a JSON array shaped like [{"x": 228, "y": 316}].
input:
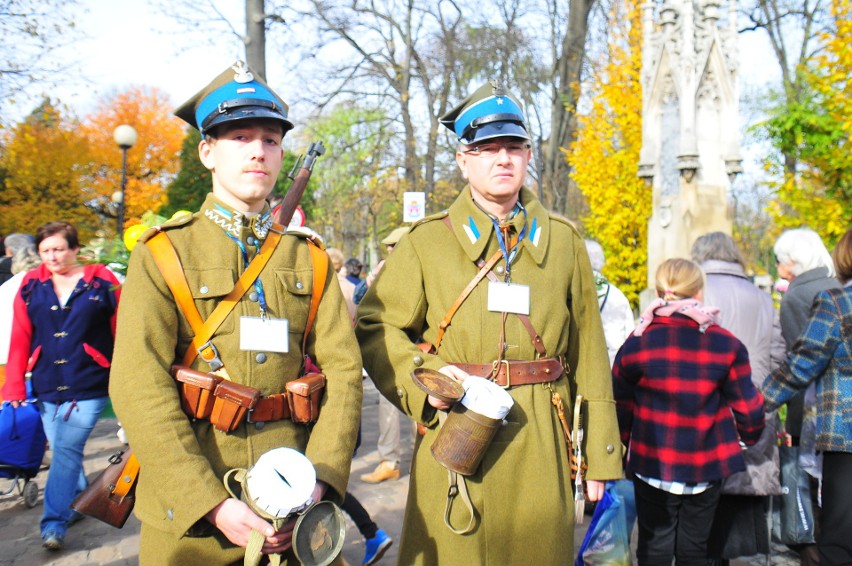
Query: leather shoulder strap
[
  {"x": 168, "y": 262},
  {"x": 485, "y": 271},
  {"x": 319, "y": 264},
  {"x": 176, "y": 280}
]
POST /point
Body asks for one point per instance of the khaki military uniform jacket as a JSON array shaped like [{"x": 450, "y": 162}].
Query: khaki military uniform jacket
[
  {"x": 182, "y": 462},
  {"x": 522, "y": 491}
]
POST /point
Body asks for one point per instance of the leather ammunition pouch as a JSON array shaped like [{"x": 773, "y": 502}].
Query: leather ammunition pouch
[
  {"x": 196, "y": 391},
  {"x": 226, "y": 404},
  {"x": 304, "y": 396},
  {"x": 233, "y": 401}
]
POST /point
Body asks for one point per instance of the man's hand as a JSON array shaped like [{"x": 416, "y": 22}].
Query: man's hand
[
  {"x": 458, "y": 375},
  {"x": 319, "y": 491},
  {"x": 236, "y": 520},
  {"x": 595, "y": 490}
]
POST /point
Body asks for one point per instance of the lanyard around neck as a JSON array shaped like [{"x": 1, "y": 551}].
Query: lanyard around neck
[
  {"x": 509, "y": 250},
  {"x": 258, "y": 286}
]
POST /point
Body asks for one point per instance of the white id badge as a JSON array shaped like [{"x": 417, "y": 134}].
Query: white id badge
[
  {"x": 264, "y": 334},
  {"x": 508, "y": 297}
]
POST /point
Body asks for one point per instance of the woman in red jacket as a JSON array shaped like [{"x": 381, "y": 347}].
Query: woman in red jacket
[
  {"x": 62, "y": 339},
  {"x": 685, "y": 401}
]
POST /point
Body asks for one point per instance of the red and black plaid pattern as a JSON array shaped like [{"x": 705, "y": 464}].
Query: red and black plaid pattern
[{"x": 684, "y": 400}]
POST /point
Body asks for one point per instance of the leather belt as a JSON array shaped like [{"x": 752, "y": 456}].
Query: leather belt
[
  {"x": 512, "y": 373},
  {"x": 270, "y": 408}
]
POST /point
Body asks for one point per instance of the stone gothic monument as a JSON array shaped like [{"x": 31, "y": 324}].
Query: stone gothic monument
[{"x": 690, "y": 122}]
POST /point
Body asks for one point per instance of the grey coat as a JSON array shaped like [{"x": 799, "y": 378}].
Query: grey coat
[
  {"x": 748, "y": 313},
  {"x": 795, "y": 311}
]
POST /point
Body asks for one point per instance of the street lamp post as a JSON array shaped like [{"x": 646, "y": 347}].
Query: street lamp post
[{"x": 125, "y": 136}]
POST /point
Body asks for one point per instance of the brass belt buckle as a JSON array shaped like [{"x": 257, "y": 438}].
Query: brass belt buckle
[{"x": 495, "y": 370}]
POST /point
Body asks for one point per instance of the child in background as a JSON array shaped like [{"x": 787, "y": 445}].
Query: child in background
[{"x": 677, "y": 380}]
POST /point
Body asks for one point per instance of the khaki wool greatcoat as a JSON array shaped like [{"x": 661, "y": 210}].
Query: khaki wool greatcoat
[
  {"x": 522, "y": 491},
  {"x": 182, "y": 462}
]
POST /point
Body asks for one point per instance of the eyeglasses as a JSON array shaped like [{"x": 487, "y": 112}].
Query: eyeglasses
[{"x": 493, "y": 149}]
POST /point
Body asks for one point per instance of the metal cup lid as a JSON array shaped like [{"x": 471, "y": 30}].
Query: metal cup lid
[
  {"x": 438, "y": 385},
  {"x": 319, "y": 534}
]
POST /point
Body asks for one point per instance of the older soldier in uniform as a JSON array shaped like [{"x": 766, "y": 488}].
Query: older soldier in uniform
[
  {"x": 187, "y": 515},
  {"x": 522, "y": 491}
]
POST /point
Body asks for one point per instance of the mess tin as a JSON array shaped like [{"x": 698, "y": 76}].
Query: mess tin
[{"x": 465, "y": 434}]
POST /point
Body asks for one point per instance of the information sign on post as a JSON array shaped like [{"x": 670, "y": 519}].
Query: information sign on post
[{"x": 414, "y": 206}]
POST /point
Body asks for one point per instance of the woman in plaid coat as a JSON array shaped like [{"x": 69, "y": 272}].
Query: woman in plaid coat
[
  {"x": 823, "y": 354},
  {"x": 685, "y": 402}
]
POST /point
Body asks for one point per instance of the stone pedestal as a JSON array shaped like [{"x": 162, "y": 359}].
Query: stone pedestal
[{"x": 690, "y": 123}]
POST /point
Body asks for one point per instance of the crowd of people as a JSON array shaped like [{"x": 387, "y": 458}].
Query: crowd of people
[{"x": 494, "y": 292}]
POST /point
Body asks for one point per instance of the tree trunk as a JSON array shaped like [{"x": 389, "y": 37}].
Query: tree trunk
[
  {"x": 255, "y": 38},
  {"x": 566, "y": 90}
]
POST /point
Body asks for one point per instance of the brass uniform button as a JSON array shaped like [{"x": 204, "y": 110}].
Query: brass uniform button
[{"x": 418, "y": 361}]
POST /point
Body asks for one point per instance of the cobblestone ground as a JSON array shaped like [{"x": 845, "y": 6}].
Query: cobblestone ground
[{"x": 91, "y": 542}]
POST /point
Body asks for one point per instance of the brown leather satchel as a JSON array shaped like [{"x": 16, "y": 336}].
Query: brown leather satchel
[
  {"x": 111, "y": 496},
  {"x": 304, "y": 395}
]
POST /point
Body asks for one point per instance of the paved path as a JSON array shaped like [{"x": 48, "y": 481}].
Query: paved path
[{"x": 91, "y": 542}]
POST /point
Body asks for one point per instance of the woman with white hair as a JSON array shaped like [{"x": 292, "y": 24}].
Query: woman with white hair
[{"x": 804, "y": 261}]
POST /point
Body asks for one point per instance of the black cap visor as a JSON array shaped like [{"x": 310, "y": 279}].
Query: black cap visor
[
  {"x": 493, "y": 130},
  {"x": 245, "y": 112}
]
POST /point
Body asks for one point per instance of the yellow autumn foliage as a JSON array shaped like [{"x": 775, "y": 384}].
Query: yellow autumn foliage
[
  {"x": 818, "y": 194},
  {"x": 605, "y": 157},
  {"x": 151, "y": 163}
]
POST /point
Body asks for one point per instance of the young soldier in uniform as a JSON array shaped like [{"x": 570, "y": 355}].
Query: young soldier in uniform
[
  {"x": 522, "y": 491},
  {"x": 187, "y": 515}
]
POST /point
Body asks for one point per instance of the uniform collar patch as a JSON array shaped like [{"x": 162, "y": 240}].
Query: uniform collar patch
[
  {"x": 471, "y": 230},
  {"x": 535, "y": 232},
  {"x": 233, "y": 221},
  {"x": 230, "y": 222}
]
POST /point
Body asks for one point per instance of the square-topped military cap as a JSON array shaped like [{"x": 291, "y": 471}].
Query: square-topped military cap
[
  {"x": 490, "y": 112},
  {"x": 236, "y": 94}
]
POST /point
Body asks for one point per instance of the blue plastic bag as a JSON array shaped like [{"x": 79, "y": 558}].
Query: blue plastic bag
[
  {"x": 22, "y": 440},
  {"x": 608, "y": 539}
]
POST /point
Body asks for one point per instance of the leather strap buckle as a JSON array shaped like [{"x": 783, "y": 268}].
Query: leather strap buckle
[
  {"x": 495, "y": 371},
  {"x": 210, "y": 354}
]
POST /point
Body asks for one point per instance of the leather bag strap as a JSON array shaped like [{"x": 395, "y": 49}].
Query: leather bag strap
[{"x": 128, "y": 476}]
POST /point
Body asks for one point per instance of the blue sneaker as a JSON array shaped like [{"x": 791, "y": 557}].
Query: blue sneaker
[
  {"x": 53, "y": 541},
  {"x": 377, "y": 546}
]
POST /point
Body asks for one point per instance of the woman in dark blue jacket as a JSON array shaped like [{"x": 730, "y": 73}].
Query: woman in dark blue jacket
[{"x": 62, "y": 339}]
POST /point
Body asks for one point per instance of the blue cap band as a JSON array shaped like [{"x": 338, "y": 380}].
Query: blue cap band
[
  {"x": 233, "y": 91},
  {"x": 497, "y": 105}
]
